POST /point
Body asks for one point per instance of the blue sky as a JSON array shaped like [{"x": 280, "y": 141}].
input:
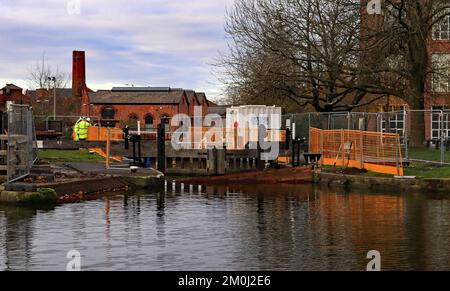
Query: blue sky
[{"x": 145, "y": 43}]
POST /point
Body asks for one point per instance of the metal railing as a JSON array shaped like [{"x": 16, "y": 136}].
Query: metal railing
[
  {"x": 374, "y": 151},
  {"x": 424, "y": 134}
]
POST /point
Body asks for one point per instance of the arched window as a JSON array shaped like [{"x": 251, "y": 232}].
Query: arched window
[
  {"x": 165, "y": 119},
  {"x": 108, "y": 113},
  {"x": 133, "y": 122},
  {"x": 148, "y": 123}
]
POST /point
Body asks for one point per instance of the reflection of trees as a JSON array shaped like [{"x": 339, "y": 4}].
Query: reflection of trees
[
  {"x": 350, "y": 225},
  {"x": 16, "y": 242},
  {"x": 265, "y": 225},
  {"x": 435, "y": 231},
  {"x": 336, "y": 231}
]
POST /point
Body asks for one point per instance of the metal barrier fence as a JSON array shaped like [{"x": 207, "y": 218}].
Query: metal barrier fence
[
  {"x": 374, "y": 151},
  {"x": 195, "y": 138},
  {"x": 424, "y": 134},
  {"x": 21, "y": 148}
]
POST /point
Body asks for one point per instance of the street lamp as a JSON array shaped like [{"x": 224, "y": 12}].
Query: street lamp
[{"x": 54, "y": 95}]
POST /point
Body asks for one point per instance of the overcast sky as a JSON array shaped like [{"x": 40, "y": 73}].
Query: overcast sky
[{"x": 145, "y": 43}]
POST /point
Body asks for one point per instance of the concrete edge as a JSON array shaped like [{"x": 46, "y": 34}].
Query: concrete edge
[{"x": 383, "y": 184}]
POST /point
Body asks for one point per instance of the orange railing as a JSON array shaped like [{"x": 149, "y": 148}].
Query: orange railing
[
  {"x": 374, "y": 151},
  {"x": 234, "y": 139},
  {"x": 97, "y": 133}
]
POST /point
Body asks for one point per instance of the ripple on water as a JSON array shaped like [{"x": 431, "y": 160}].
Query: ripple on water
[{"x": 307, "y": 230}]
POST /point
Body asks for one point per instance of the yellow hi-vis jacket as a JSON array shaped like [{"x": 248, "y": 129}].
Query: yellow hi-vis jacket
[
  {"x": 76, "y": 130},
  {"x": 83, "y": 128}
]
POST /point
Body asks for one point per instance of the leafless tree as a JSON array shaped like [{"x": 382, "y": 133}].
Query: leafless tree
[
  {"x": 304, "y": 52},
  {"x": 396, "y": 52},
  {"x": 318, "y": 53},
  {"x": 328, "y": 56},
  {"x": 40, "y": 74}
]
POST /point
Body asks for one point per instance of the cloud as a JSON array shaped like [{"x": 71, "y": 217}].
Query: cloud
[{"x": 151, "y": 42}]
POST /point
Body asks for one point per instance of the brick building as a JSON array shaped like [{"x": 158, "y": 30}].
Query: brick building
[
  {"x": 121, "y": 106},
  {"x": 437, "y": 87},
  {"x": 12, "y": 93}
]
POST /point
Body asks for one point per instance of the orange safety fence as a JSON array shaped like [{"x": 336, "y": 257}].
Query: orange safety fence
[
  {"x": 96, "y": 133},
  {"x": 233, "y": 138},
  {"x": 374, "y": 151}
]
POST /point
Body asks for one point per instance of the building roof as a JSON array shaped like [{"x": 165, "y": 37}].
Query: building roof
[
  {"x": 131, "y": 96},
  {"x": 200, "y": 97},
  {"x": 221, "y": 110},
  {"x": 140, "y": 89},
  {"x": 11, "y": 87},
  {"x": 190, "y": 94},
  {"x": 213, "y": 104}
]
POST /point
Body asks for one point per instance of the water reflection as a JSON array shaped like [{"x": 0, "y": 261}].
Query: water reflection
[{"x": 270, "y": 227}]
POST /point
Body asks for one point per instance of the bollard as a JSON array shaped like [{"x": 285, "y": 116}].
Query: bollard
[{"x": 161, "y": 148}]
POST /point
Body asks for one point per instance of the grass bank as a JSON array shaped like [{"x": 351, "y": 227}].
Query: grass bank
[
  {"x": 69, "y": 156},
  {"x": 427, "y": 154},
  {"x": 423, "y": 171},
  {"x": 432, "y": 170}
]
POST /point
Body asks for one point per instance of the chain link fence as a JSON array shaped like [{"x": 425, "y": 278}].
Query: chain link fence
[{"x": 21, "y": 146}]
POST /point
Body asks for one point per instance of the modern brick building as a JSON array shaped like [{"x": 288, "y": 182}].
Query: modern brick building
[{"x": 437, "y": 96}]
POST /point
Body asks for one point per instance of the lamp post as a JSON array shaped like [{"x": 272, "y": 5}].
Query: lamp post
[{"x": 54, "y": 95}]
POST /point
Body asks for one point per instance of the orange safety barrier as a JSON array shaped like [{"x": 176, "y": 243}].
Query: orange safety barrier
[
  {"x": 230, "y": 136},
  {"x": 374, "y": 151},
  {"x": 96, "y": 133}
]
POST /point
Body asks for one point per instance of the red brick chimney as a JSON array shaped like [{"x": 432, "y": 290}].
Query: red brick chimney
[{"x": 78, "y": 73}]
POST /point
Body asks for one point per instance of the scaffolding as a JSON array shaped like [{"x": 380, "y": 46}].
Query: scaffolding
[{"x": 21, "y": 142}]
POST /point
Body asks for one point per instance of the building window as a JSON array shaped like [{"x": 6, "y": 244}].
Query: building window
[
  {"x": 148, "y": 123},
  {"x": 440, "y": 122},
  {"x": 441, "y": 30},
  {"x": 394, "y": 120},
  {"x": 441, "y": 72},
  {"x": 108, "y": 113},
  {"x": 133, "y": 122},
  {"x": 165, "y": 119}
]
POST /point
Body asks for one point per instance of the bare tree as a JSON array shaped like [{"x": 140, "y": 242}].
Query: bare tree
[
  {"x": 327, "y": 55},
  {"x": 41, "y": 76},
  {"x": 396, "y": 53},
  {"x": 304, "y": 52}
]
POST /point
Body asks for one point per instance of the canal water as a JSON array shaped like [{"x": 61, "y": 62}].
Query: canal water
[{"x": 247, "y": 228}]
